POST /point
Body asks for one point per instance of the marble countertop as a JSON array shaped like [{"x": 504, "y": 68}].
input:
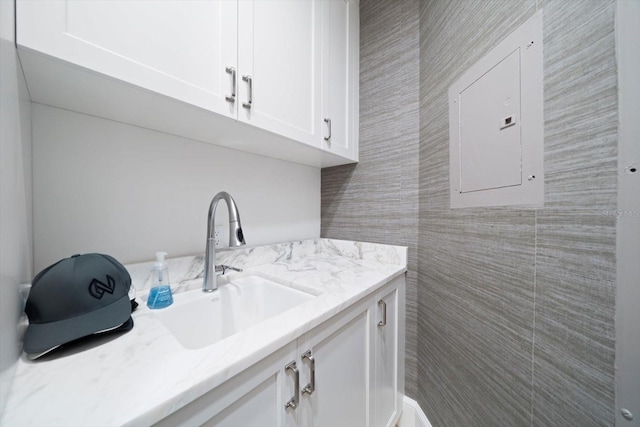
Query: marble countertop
[{"x": 140, "y": 377}]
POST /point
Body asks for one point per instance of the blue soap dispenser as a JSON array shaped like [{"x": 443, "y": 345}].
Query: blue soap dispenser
[{"x": 160, "y": 293}]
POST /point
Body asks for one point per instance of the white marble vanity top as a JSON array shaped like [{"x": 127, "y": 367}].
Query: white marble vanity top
[{"x": 140, "y": 377}]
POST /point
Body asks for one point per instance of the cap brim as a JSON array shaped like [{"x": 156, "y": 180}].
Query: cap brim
[{"x": 42, "y": 337}]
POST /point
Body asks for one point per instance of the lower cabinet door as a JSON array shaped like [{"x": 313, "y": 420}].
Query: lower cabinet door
[
  {"x": 254, "y": 398},
  {"x": 387, "y": 397},
  {"x": 334, "y": 360}
]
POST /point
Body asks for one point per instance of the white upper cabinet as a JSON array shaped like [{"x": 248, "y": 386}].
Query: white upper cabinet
[
  {"x": 253, "y": 75},
  {"x": 175, "y": 48},
  {"x": 340, "y": 68},
  {"x": 279, "y": 46}
]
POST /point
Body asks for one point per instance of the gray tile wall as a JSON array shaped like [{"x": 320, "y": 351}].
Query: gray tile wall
[
  {"x": 573, "y": 382},
  {"x": 377, "y": 199},
  {"x": 510, "y": 311},
  {"x": 476, "y": 266},
  {"x": 516, "y": 307}
]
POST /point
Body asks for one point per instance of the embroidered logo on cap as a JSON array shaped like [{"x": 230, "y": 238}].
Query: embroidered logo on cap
[{"x": 98, "y": 288}]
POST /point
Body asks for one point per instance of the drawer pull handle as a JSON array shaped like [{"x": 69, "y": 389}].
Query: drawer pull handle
[
  {"x": 247, "y": 104},
  {"x": 293, "y": 402},
  {"x": 311, "y": 387},
  {"x": 328, "y": 122},
  {"x": 231, "y": 98},
  {"x": 383, "y": 322}
]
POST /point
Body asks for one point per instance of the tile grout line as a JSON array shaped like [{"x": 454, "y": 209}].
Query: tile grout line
[{"x": 533, "y": 331}]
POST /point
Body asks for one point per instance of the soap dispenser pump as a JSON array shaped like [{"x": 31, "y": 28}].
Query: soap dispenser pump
[{"x": 160, "y": 293}]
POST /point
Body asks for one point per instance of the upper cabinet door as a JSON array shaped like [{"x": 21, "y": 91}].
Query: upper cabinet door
[
  {"x": 340, "y": 59},
  {"x": 271, "y": 77},
  {"x": 279, "y": 45},
  {"x": 175, "y": 48}
]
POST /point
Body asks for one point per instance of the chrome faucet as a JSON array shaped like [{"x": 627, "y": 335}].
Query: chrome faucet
[{"x": 236, "y": 238}]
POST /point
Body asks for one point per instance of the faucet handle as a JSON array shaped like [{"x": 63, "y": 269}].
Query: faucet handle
[{"x": 222, "y": 269}]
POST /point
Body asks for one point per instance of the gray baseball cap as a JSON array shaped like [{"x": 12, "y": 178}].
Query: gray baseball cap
[{"x": 76, "y": 297}]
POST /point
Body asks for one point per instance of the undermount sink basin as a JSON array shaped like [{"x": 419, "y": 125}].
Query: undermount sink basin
[{"x": 197, "y": 319}]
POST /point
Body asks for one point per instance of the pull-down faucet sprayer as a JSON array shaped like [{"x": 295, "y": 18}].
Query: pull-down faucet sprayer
[{"x": 236, "y": 238}]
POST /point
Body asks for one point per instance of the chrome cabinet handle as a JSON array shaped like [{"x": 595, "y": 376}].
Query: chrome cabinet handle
[
  {"x": 383, "y": 322},
  {"x": 328, "y": 122},
  {"x": 311, "y": 387},
  {"x": 247, "y": 104},
  {"x": 231, "y": 98},
  {"x": 293, "y": 402}
]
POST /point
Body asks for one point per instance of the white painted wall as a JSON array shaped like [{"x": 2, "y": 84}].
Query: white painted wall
[
  {"x": 104, "y": 186},
  {"x": 15, "y": 196}
]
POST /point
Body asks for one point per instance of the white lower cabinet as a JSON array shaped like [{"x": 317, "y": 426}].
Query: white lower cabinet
[
  {"x": 346, "y": 372},
  {"x": 255, "y": 397},
  {"x": 388, "y": 371},
  {"x": 341, "y": 354}
]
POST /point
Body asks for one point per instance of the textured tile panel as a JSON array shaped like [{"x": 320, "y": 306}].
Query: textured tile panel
[
  {"x": 574, "y": 354},
  {"x": 512, "y": 322},
  {"x": 476, "y": 266},
  {"x": 376, "y": 200},
  {"x": 476, "y": 317},
  {"x": 580, "y": 111},
  {"x": 572, "y": 379},
  {"x": 575, "y": 309}
]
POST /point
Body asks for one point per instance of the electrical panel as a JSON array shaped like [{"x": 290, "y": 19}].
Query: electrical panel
[{"x": 496, "y": 125}]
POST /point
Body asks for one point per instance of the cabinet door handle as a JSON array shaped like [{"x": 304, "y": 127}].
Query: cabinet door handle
[
  {"x": 247, "y": 104},
  {"x": 383, "y": 322},
  {"x": 293, "y": 402},
  {"x": 328, "y": 122},
  {"x": 311, "y": 387},
  {"x": 231, "y": 98}
]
